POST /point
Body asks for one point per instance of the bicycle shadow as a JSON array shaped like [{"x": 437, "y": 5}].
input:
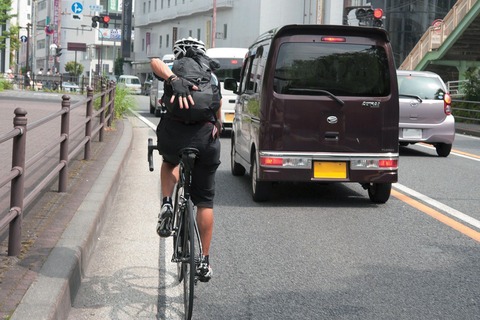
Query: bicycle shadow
[{"x": 130, "y": 293}]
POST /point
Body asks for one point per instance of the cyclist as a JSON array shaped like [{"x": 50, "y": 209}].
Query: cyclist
[{"x": 174, "y": 134}]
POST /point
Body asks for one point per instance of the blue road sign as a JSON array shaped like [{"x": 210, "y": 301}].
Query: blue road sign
[
  {"x": 23, "y": 39},
  {"x": 77, "y": 7}
]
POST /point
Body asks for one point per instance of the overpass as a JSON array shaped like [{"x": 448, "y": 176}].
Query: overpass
[{"x": 450, "y": 47}]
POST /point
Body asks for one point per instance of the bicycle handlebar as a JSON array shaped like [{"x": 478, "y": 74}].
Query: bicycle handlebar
[{"x": 151, "y": 147}]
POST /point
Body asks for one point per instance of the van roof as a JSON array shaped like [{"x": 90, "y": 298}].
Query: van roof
[{"x": 292, "y": 29}]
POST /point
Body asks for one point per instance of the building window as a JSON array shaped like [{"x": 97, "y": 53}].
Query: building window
[
  {"x": 161, "y": 4},
  {"x": 143, "y": 44},
  {"x": 198, "y": 34},
  {"x": 167, "y": 41},
  {"x": 160, "y": 41},
  {"x": 144, "y": 7},
  {"x": 156, "y": 5},
  {"x": 149, "y": 6},
  {"x": 190, "y": 33},
  {"x": 225, "y": 31},
  {"x": 168, "y": 3}
]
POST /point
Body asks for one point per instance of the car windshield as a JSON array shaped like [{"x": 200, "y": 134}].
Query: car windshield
[
  {"x": 423, "y": 87},
  {"x": 229, "y": 68},
  {"x": 134, "y": 81},
  {"x": 339, "y": 68}
]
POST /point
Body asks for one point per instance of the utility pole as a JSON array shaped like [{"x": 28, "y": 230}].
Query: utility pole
[
  {"x": 214, "y": 23},
  {"x": 28, "y": 46}
]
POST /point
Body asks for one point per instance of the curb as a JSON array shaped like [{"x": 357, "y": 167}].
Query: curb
[{"x": 52, "y": 294}]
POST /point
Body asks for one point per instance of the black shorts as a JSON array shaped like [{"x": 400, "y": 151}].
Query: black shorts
[{"x": 174, "y": 135}]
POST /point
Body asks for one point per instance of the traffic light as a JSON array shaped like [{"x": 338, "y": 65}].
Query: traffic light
[
  {"x": 95, "y": 20},
  {"x": 378, "y": 18},
  {"x": 58, "y": 52},
  {"x": 361, "y": 15},
  {"x": 105, "y": 20}
]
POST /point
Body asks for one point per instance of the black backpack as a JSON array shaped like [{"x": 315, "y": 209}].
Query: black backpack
[{"x": 196, "y": 68}]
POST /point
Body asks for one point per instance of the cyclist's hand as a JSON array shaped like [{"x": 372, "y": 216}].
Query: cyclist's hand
[{"x": 181, "y": 89}]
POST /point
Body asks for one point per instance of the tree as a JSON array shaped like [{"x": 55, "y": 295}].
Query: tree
[
  {"x": 5, "y": 8},
  {"x": 74, "y": 68},
  {"x": 118, "y": 67}
]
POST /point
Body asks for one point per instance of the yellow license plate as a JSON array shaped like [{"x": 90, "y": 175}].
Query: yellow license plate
[
  {"x": 229, "y": 117},
  {"x": 329, "y": 170}
]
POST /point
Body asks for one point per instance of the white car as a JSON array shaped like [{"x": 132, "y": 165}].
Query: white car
[
  {"x": 70, "y": 87},
  {"x": 130, "y": 82}
]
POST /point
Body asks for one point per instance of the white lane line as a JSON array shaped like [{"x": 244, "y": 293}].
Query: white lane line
[
  {"x": 145, "y": 120},
  {"x": 434, "y": 203}
]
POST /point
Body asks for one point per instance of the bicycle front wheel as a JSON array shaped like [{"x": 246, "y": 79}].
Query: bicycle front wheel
[
  {"x": 188, "y": 265},
  {"x": 178, "y": 243}
]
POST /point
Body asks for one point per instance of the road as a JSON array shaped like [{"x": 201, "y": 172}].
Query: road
[{"x": 312, "y": 252}]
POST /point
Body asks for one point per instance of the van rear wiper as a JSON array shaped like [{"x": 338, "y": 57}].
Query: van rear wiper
[
  {"x": 328, "y": 93},
  {"x": 411, "y": 96}
]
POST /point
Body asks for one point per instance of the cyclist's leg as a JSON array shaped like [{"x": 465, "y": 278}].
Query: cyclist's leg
[
  {"x": 168, "y": 178},
  {"x": 205, "y": 227}
]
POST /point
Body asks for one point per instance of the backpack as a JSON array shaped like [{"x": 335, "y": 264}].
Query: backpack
[{"x": 197, "y": 68}]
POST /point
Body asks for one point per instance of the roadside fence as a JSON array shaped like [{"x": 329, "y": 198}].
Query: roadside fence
[{"x": 92, "y": 126}]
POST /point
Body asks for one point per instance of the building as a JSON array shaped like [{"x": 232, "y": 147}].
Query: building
[
  {"x": 61, "y": 31},
  {"x": 236, "y": 23}
]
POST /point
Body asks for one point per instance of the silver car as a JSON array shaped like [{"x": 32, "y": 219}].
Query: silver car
[
  {"x": 156, "y": 93},
  {"x": 425, "y": 111}
]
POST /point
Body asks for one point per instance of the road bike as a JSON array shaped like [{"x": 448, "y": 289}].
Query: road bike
[{"x": 187, "y": 247}]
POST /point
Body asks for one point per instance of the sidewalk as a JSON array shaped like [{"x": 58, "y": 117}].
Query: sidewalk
[{"x": 60, "y": 233}]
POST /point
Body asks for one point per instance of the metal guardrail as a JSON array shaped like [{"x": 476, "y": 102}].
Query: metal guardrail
[
  {"x": 456, "y": 88},
  {"x": 436, "y": 35},
  {"x": 470, "y": 115},
  {"x": 18, "y": 199}
]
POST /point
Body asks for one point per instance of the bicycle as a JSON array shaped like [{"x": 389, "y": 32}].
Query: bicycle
[{"x": 187, "y": 247}]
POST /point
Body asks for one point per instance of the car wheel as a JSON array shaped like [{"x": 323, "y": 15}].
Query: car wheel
[
  {"x": 237, "y": 169},
  {"x": 261, "y": 190},
  {"x": 379, "y": 192},
  {"x": 443, "y": 149}
]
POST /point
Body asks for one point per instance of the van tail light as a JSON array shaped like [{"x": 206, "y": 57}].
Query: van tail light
[
  {"x": 271, "y": 161},
  {"x": 390, "y": 163},
  {"x": 447, "y": 104}
]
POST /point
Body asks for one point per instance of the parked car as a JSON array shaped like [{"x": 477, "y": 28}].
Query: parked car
[
  {"x": 425, "y": 111},
  {"x": 70, "y": 86},
  {"x": 317, "y": 103},
  {"x": 156, "y": 93},
  {"x": 130, "y": 82}
]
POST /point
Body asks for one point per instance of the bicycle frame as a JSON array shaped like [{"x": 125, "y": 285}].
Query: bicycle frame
[{"x": 186, "y": 237}]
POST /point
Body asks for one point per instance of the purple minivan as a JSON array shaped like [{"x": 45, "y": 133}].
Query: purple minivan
[{"x": 317, "y": 103}]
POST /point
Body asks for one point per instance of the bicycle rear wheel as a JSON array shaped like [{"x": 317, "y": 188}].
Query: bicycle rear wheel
[{"x": 189, "y": 270}]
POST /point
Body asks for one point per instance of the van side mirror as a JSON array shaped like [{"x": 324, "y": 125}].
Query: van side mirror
[{"x": 230, "y": 84}]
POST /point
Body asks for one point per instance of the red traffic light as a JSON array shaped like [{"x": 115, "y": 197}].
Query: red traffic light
[
  {"x": 378, "y": 13},
  {"x": 106, "y": 19}
]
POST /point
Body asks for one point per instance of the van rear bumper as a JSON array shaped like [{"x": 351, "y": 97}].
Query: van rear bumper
[{"x": 331, "y": 167}]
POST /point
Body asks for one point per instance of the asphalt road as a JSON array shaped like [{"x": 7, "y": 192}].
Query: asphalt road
[{"x": 312, "y": 252}]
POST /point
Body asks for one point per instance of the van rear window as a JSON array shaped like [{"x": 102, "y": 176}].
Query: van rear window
[
  {"x": 341, "y": 68},
  {"x": 229, "y": 68}
]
